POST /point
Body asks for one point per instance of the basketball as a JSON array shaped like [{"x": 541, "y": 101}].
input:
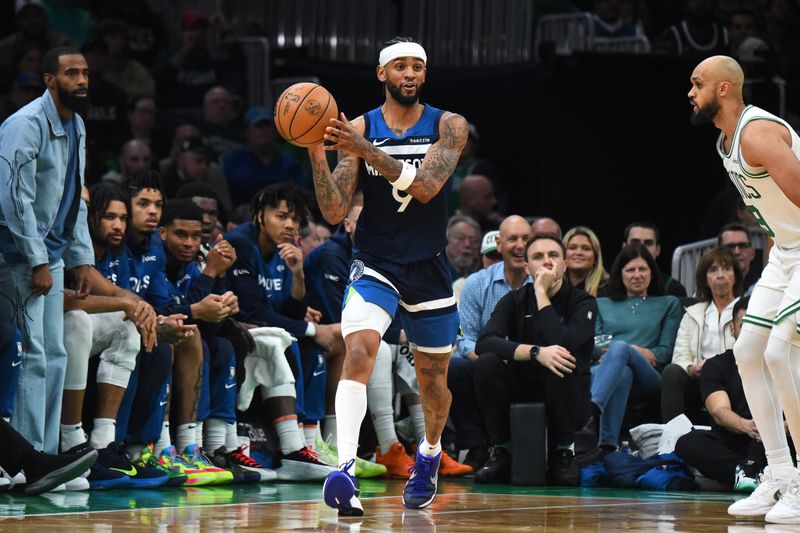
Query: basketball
[{"x": 303, "y": 112}]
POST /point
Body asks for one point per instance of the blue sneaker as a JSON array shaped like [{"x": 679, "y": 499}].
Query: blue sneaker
[
  {"x": 109, "y": 471},
  {"x": 420, "y": 489},
  {"x": 341, "y": 491}
]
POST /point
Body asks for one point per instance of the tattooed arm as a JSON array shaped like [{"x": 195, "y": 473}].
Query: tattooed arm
[
  {"x": 335, "y": 189},
  {"x": 438, "y": 164}
]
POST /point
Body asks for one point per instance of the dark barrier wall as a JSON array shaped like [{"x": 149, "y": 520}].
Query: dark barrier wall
[{"x": 594, "y": 140}]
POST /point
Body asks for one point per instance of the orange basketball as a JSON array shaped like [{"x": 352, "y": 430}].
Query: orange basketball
[{"x": 303, "y": 112}]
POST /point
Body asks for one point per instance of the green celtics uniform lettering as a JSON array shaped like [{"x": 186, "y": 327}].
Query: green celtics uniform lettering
[{"x": 775, "y": 213}]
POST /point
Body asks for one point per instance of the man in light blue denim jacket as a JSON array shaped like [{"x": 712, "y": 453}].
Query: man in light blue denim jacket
[{"x": 43, "y": 232}]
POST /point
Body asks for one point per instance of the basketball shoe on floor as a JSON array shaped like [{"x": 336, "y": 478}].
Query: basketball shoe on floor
[
  {"x": 303, "y": 465},
  {"x": 745, "y": 477},
  {"x": 50, "y": 471},
  {"x": 397, "y": 462},
  {"x": 109, "y": 471},
  {"x": 420, "y": 489},
  {"x": 243, "y": 468},
  {"x": 787, "y": 510},
  {"x": 452, "y": 468},
  {"x": 148, "y": 460},
  {"x": 169, "y": 460},
  {"x": 341, "y": 491},
  {"x": 116, "y": 457},
  {"x": 194, "y": 455},
  {"x": 77, "y": 484},
  {"x": 763, "y": 498},
  {"x": 329, "y": 454}
]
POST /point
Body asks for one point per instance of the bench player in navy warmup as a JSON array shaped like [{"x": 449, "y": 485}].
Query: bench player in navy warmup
[{"x": 403, "y": 154}]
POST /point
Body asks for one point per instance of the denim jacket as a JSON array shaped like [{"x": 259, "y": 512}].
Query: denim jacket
[{"x": 33, "y": 168}]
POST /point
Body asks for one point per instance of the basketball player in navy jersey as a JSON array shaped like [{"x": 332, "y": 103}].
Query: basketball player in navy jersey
[{"x": 403, "y": 154}]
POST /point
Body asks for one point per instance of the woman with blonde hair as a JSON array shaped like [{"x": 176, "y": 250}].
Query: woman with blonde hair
[{"x": 585, "y": 261}]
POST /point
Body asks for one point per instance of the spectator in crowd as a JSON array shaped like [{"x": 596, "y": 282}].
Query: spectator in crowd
[
  {"x": 190, "y": 165},
  {"x": 608, "y": 21},
  {"x": 477, "y": 200},
  {"x": 251, "y": 168},
  {"x": 147, "y": 36},
  {"x": 697, "y": 34},
  {"x": 28, "y": 61},
  {"x": 489, "y": 253},
  {"x": 537, "y": 346},
  {"x": 25, "y": 89},
  {"x": 463, "y": 245},
  {"x": 731, "y": 452},
  {"x": 191, "y": 70},
  {"x": 43, "y": 472},
  {"x": 126, "y": 73},
  {"x": 479, "y": 297},
  {"x": 643, "y": 325},
  {"x": 585, "y": 269},
  {"x": 312, "y": 236},
  {"x": 649, "y": 235},
  {"x": 181, "y": 133},
  {"x": 219, "y": 127},
  {"x": 742, "y": 25},
  {"x": 205, "y": 197},
  {"x": 43, "y": 232},
  {"x": 736, "y": 238},
  {"x": 545, "y": 225},
  {"x": 704, "y": 332},
  {"x": 32, "y": 31},
  {"x": 143, "y": 121},
  {"x": 470, "y": 164},
  {"x": 135, "y": 156}
]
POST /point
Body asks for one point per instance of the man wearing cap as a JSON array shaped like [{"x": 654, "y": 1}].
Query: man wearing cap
[
  {"x": 191, "y": 164},
  {"x": 409, "y": 151},
  {"x": 259, "y": 164},
  {"x": 25, "y": 89}
]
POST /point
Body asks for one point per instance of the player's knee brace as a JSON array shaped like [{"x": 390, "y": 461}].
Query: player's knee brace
[
  {"x": 78, "y": 345},
  {"x": 776, "y": 354}
]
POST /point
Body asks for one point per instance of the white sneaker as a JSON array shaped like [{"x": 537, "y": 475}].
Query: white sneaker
[
  {"x": 5, "y": 483},
  {"x": 787, "y": 510},
  {"x": 763, "y": 498},
  {"x": 79, "y": 483}
]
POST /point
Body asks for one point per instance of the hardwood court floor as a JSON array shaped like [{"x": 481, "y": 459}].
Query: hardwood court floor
[{"x": 461, "y": 506}]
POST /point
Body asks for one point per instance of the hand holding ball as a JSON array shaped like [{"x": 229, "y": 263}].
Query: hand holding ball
[{"x": 303, "y": 112}]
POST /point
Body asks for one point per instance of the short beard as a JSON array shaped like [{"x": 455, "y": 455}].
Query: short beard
[
  {"x": 400, "y": 98},
  {"x": 705, "y": 115},
  {"x": 76, "y": 104}
]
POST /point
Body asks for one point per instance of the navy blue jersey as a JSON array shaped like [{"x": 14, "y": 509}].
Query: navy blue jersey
[
  {"x": 147, "y": 277},
  {"x": 393, "y": 225},
  {"x": 115, "y": 268},
  {"x": 264, "y": 287}
]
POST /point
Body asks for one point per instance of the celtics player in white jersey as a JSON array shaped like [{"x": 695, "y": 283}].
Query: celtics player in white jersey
[
  {"x": 761, "y": 154},
  {"x": 402, "y": 154}
]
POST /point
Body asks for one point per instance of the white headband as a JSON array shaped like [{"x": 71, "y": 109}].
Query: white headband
[{"x": 402, "y": 50}]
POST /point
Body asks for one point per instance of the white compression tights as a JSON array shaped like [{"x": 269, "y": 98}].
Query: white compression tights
[{"x": 769, "y": 364}]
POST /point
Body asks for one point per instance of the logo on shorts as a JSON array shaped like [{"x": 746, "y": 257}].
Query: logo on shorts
[{"x": 356, "y": 270}]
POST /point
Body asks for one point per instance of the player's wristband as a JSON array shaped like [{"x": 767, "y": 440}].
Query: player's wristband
[
  {"x": 406, "y": 177},
  {"x": 311, "y": 329}
]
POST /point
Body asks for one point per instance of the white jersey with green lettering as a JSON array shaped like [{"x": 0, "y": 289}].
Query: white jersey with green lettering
[{"x": 779, "y": 217}]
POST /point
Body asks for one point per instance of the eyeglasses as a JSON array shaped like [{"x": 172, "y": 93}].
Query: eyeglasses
[{"x": 734, "y": 245}]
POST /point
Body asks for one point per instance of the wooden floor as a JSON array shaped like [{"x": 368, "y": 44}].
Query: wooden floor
[{"x": 461, "y": 506}]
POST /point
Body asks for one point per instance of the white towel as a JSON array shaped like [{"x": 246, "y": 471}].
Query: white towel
[
  {"x": 267, "y": 366},
  {"x": 673, "y": 430}
]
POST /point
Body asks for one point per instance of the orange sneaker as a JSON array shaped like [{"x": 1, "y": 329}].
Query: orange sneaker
[
  {"x": 449, "y": 467},
  {"x": 397, "y": 462}
]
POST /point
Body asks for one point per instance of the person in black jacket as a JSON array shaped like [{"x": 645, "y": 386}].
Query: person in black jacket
[{"x": 537, "y": 347}]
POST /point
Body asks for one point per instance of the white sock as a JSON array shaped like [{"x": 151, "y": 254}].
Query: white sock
[
  {"x": 8, "y": 420},
  {"x": 351, "y": 406},
  {"x": 231, "y": 437},
  {"x": 104, "y": 431},
  {"x": 417, "y": 420},
  {"x": 761, "y": 389},
  {"x": 71, "y": 436},
  {"x": 289, "y": 434},
  {"x": 311, "y": 432},
  {"x": 186, "y": 436},
  {"x": 430, "y": 450},
  {"x": 215, "y": 432},
  {"x": 199, "y": 429},
  {"x": 329, "y": 429},
  {"x": 164, "y": 440},
  {"x": 379, "y": 398}
]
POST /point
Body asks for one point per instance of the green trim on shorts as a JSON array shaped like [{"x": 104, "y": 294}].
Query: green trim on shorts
[
  {"x": 757, "y": 321},
  {"x": 350, "y": 292}
]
